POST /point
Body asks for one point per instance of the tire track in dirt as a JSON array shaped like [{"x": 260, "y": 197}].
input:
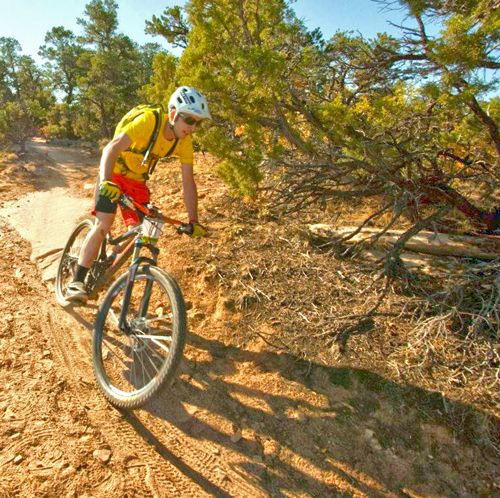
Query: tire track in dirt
[
  {"x": 16, "y": 448},
  {"x": 195, "y": 461},
  {"x": 46, "y": 439},
  {"x": 112, "y": 426},
  {"x": 173, "y": 466}
]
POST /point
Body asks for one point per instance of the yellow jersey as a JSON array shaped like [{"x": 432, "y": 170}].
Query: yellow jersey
[{"x": 140, "y": 130}]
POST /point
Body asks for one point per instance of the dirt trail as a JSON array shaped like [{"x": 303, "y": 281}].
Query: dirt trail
[
  {"x": 106, "y": 453},
  {"x": 46, "y": 217},
  {"x": 242, "y": 420}
]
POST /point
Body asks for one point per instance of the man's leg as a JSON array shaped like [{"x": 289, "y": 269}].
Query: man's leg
[
  {"x": 94, "y": 239},
  {"x": 90, "y": 248}
]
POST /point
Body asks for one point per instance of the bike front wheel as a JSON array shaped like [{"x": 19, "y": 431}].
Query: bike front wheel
[
  {"x": 133, "y": 365},
  {"x": 69, "y": 259}
]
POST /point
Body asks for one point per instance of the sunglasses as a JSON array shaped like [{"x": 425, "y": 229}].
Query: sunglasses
[{"x": 189, "y": 120}]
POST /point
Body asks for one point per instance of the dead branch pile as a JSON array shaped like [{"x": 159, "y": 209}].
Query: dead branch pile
[
  {"x": 438, "y": 329},
  {"x": 459, "y": 328}
]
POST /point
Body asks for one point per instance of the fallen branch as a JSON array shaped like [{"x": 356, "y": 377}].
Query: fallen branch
[{"x": 439, "y": 244}]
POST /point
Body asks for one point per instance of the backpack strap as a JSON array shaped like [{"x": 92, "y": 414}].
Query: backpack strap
[
  {"x": 157, "y": 114},
  {"x": 153, "y": 164},
  {"x": 148, "y": 157}
]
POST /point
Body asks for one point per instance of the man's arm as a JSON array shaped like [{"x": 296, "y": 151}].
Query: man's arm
[
  {"x": 110, "y": 153},
  {"x": 190, "y": 192}
]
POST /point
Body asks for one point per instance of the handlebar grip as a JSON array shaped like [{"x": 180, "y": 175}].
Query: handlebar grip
[
  {"x": 185, "y": 228},
  {"x": 126, "y": 201}
]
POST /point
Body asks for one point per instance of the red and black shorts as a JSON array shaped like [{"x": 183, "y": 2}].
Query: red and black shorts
[{"x": 137, "y": 190}]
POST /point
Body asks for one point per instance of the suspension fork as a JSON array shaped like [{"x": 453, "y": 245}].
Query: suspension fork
[{"x": 143, "y": 307}]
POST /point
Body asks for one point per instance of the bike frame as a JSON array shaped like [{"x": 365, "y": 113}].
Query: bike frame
[
  {"x": 134, "y": 246},
  {"x": 121, "y": 257}
]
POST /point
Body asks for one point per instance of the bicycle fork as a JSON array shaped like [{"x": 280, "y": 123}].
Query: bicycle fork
[{"x": 143, "y": 307}]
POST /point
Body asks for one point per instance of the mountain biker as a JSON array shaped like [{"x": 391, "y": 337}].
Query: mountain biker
[{"x": 122, "y": 170}]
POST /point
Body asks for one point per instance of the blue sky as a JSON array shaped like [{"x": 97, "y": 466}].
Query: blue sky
[{"x": 29, "y": 20}]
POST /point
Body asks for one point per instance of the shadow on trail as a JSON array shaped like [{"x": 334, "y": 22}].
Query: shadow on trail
[
  {"x": 350, "y": 431},
  {"x": 368, "y": 422},
  {"x": 48, "y": 166},
  {"x": 195, "y": 476},
  {"x": 84, "y": 315}
]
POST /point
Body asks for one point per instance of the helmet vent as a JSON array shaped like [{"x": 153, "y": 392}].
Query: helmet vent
[{"x": 190, "y": 100}]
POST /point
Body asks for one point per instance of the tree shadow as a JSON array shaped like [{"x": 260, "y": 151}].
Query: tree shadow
[
  {"x": 336, "y": 432},
  {"x": 83, "y": 313},
  {"x": 337, "y": 446},
  {"x": 48, "y": 166}
]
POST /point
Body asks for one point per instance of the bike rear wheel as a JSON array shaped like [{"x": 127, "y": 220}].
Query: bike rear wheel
[
  {"x": 132, "y": 367},
  {"x": 69, "y": 259}
]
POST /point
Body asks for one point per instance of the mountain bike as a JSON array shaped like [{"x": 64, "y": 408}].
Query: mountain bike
[{"x": 140, "y": 328}]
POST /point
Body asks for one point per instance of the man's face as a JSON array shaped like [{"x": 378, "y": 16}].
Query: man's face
[{"x": 185, "y": 124}]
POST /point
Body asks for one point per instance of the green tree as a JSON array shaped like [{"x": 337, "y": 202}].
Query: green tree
[
  {"x": 113, "y": 70},
  {"x": 172, "y": 25},
  {"x": 62, "y": 52},
  {"x": 162, "y": 80},
  {"x": 466, "y": 49},
  {"x": 242, "y": 55},
  {"x": 332, "y": 119},
  {"x": 24, "y": 93},
  {"x": 145, "y": 62}
]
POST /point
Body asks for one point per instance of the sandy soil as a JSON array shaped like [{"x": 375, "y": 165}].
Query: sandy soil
[{"x": 244, "y": 418}]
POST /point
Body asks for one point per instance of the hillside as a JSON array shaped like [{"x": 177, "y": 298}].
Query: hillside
[{"x": 281, "y": 385}]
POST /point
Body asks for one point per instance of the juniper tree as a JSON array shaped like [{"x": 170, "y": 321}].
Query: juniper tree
[
  {"x": 24, "y": 94},
  {"x": 339, "y": 118}
]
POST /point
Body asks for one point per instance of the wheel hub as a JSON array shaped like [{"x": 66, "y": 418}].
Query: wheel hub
[{"x": 139, "y": 328}]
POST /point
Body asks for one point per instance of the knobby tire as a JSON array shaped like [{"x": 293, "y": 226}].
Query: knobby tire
[
  {"x": 69, "y": 259},
  {"x": 116, "y": 355}
]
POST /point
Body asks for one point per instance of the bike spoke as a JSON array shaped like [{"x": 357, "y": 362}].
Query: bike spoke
[
  {"x": 153, "y": 351},
  {"x": 140, "y": 357},
  {"x": 143, "y": 363},
  {"x": 115, "y": 355},
  {"x": 114, "y": 318},
  {"x": 152, "y": 363},
  {"x": 69, "y": 260},
  {"x": 155, "y": 339},
  {"x": 135, "y": 365}
]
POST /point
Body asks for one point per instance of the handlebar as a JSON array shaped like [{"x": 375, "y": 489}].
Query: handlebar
[{"x": 153, "y": 212}]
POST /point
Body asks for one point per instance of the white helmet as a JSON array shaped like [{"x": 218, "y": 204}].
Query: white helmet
[{"x": 188, "y": 100}]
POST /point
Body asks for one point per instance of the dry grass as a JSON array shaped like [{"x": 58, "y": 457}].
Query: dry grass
[{"x": 435, "y": 330}]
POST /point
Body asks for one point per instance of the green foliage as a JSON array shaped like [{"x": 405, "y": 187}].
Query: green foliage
[
  {"x": 16, "y": 124},
  {"x": 238, "y": 53},
  {"x": 62, "y": 52},
  {"x": 113, "y": 69},
  {"x": 461, "y": 58},
  {"x": 24, "y": 94},
  {"x": 146, "y": 56},
  {"x": 313, "y": 112},
  {"x": 162, "y": 81},
  {"x": 100, "y": 24},
  {"x": 345, "y": 116},
  {"x": 172, "y": 25},
  {"x": 60, "y": 122}
]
